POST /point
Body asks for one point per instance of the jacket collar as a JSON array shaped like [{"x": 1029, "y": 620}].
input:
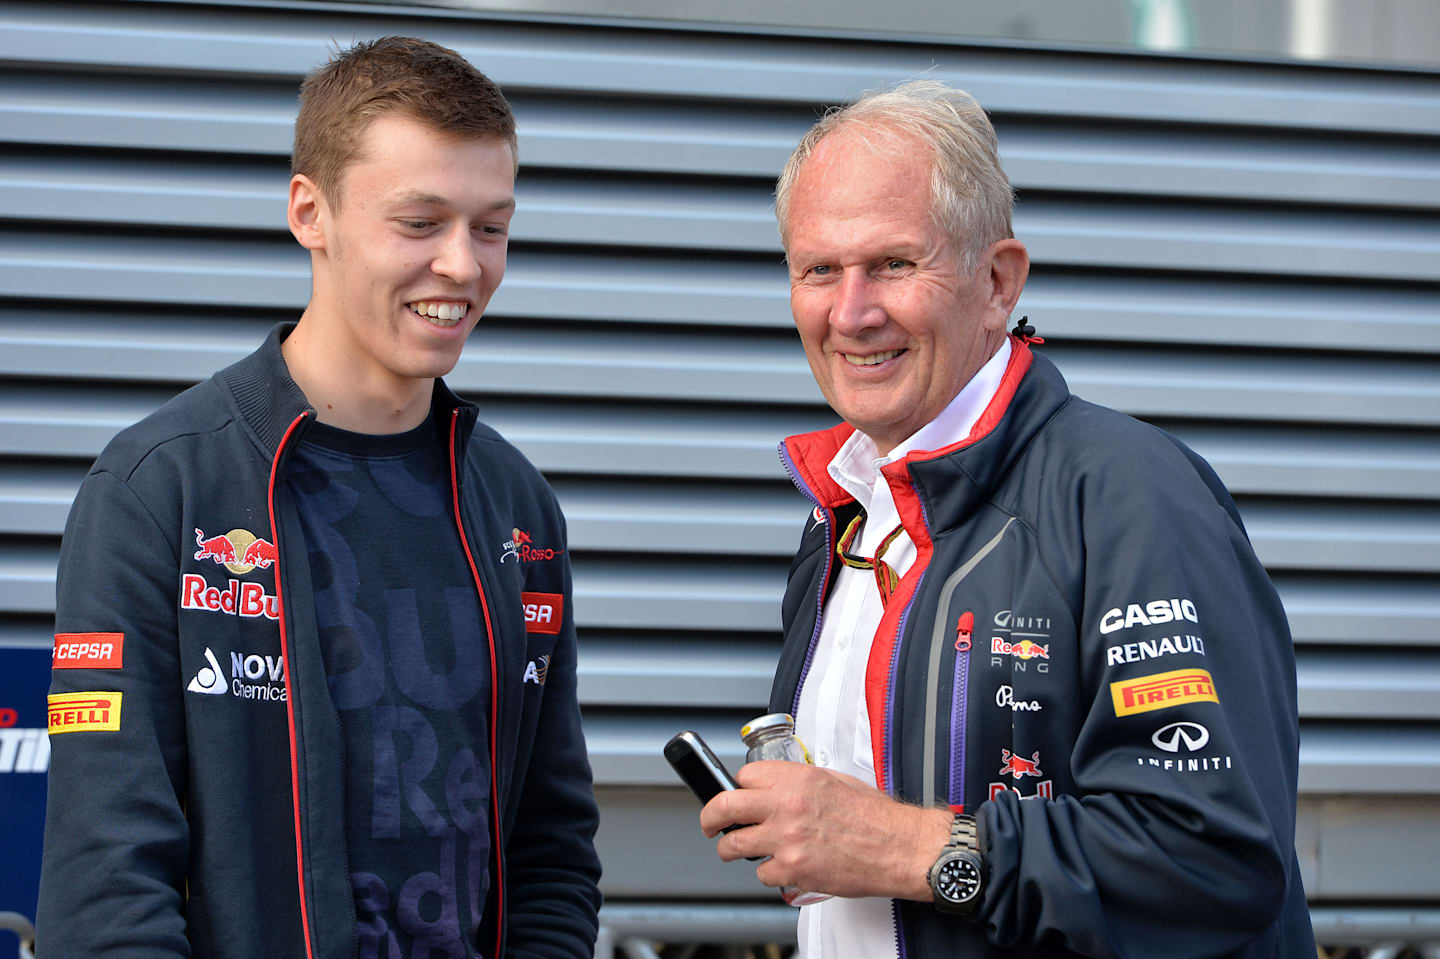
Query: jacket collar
[
  {"x": 268, "y": 400},
  {"x": 949, "y": 483}
]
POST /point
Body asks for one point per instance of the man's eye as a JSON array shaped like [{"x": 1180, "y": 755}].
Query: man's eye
[
  {"x": 820, "y": 270},
  {"x": 415, "y": 224},
  {"x": 896, "y": 264}
]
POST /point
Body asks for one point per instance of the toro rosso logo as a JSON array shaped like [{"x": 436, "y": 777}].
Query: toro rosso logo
[
  {"x": 521, "y": 546},
  {"x": 239, "y": 550}
]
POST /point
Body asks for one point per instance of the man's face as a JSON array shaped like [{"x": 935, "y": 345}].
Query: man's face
[
  {"x": 415, "y": 251},
  {"x": 893, "y": 325}
]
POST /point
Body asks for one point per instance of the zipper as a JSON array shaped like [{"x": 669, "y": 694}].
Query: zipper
[
  {"x": 289, "y": 692},
  {"x": 958, "y": 726},
  {"x": 495, "y": 839},
  {"x": 789, "y": 465}
]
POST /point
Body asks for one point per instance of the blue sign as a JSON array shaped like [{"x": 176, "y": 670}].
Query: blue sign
[{"x": 24, "y": 760}]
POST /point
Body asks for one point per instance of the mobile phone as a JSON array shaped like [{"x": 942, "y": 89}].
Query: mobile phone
[{"x": 697, "y": 766}]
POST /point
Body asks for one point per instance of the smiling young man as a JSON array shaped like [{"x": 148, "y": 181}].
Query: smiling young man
[
  {"x": 339, "y": 717},
  {"x": 1049, "y": 689}
]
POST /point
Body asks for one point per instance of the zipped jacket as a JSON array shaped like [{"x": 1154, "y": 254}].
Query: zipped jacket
[
  {"x": 1087, "y": 656},
  {"x": 196, "y": 799}
]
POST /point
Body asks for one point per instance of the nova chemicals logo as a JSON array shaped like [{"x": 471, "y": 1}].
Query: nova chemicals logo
[
  {"x": 208, "y": 680},
  {"x": 1192, "y": 736}
]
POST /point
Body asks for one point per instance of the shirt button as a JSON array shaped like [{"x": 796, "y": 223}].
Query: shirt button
[
  {"x": 822, "y": 757},
  {"x": 843, "y": 642}
]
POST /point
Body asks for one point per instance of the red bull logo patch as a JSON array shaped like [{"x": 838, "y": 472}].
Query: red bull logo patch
[
  {"x": 1017, "y": 768},
  {"x": 544, "y": 612},
  {"x": 237, "y": 599},
  {"x": 1025, "y": 649},
  {"x": 521, "y": 546},
  {"x": 88, "y": 651},
  {"x": 1162, "y": 690},
  {"x": 1044, "y": 789},
  {"x": 84, "y": 712},
  {"x": 240, "y": 551}
]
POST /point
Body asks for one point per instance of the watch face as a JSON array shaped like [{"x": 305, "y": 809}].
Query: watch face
[{"x": 959, "y": 880}]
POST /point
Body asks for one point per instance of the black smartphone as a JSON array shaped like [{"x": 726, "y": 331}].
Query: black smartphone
[{"x": 697, "y": 766}]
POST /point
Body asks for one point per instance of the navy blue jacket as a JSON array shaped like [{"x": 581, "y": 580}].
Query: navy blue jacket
[
  {"x": 199, "y": 814},
  {"x": 1087, "y": 655}
]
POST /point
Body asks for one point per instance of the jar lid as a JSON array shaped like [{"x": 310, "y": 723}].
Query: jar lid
[{"x": 768, "y": 721}]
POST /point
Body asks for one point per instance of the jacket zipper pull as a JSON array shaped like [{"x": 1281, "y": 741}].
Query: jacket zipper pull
[{"x": 964, "y": 627}]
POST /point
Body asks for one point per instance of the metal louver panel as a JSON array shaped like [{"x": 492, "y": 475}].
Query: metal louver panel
[{"x": 1245, "y": 254}]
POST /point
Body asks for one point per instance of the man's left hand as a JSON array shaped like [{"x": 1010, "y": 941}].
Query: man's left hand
[{"x": 827, "y": 832}]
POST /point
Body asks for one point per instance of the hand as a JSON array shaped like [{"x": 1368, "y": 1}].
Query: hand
[{"x": 827, "y": 832}]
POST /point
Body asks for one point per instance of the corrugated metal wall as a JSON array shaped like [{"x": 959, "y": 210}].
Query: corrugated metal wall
[{"x": 1246, "y": 254}]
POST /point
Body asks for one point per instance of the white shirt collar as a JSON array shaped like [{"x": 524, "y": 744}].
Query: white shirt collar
[{"x": 856, "y": 467}]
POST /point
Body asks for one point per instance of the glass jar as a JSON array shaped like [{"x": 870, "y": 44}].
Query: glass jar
[{"x": 772, "y": 736}]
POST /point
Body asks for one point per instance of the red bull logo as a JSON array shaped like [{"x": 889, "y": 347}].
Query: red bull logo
[
  {"x": 1025, "y": 649},
  {"x": 239, "y": 550},
  {"x": 1044, "y": 789},
  {"x": 1017, "y": 768},
  {"x": 237, "y": 599}
]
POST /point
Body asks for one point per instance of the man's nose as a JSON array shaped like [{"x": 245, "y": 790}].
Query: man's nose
[
  {"x": 457, "y": 258},
  {"x": 857, "y": 304}
]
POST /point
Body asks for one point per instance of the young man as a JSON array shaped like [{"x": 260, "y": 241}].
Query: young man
[
  {"x": 314, "y": 686},
  {"x": 1049, "y": 689}
]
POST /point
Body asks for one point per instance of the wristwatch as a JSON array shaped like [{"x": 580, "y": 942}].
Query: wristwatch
[{"x": 957, "y": 879}]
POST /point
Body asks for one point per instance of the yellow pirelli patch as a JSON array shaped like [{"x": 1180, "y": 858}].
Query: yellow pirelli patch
[
  {"x": 84, "y": 712},
  {"x": 1162, "y": 690}
]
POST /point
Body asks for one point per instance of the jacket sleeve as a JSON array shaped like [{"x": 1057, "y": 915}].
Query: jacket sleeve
[
  {"x": 1179, "y": 839},
  {"x": 116, "y": 839},
  {"x": 553, "y": 870}
]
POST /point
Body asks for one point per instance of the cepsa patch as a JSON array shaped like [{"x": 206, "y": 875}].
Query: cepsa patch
[
  {"x": 84, "y": 712},
  {"x": 543, "y": 612},
  {"x": 1162, "y": 690},
  {"x": 89, "y": 651}
]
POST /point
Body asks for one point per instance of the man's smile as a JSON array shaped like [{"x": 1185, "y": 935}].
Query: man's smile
[{"x": 440, "y": 312}]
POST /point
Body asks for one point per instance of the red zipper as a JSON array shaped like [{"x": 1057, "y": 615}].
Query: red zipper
[
  {"x": 289, "y": 693},
  {"x": 494, "y": 694}
]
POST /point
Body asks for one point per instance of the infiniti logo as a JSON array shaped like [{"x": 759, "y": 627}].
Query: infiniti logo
[{"x": 1169, "y": 738}]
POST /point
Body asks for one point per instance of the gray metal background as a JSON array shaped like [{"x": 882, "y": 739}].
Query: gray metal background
[{"x": 1246, "y": 254}]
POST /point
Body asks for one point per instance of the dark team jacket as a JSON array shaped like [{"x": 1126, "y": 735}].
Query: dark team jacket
[
  {"x": 173, "y": 814},
  {"x": 1087, "y": 655}
]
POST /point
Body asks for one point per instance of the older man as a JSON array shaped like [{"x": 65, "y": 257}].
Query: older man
[{"x": 1049, "y": 689}]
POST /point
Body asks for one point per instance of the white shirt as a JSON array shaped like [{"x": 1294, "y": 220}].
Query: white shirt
[{"x": 831, "y": 717}]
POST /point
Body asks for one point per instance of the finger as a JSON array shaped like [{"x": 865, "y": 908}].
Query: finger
[
  {"x": 741, "y": 842},
  {"x": 727, "y": 809}
]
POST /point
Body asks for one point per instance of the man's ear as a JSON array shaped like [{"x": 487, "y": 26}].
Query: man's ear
[
  {"x": 1005, "y": 267},
  {"x": 306, "y": 212}
]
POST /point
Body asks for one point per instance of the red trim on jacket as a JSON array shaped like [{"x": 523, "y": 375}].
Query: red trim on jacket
[
  {"x": 819, "y": 448},
  {"x": 912, "y": 516},
  {"x": 289, "y": 692},
  {"x": 495, "y": 840}
]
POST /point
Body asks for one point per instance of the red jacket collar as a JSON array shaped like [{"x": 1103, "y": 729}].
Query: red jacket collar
[{"x": 811, "y": 453}]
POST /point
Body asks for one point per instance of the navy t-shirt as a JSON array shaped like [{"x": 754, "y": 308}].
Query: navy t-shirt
[{"x": 409, "y": 669}]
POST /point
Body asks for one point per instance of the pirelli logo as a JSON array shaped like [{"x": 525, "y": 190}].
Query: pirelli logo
[
  {"x": 84, "y": 712},
  {"x": 1162, "y": 690}
]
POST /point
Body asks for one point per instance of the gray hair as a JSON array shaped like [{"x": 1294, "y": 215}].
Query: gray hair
[{"x": 970, "y": 195}]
